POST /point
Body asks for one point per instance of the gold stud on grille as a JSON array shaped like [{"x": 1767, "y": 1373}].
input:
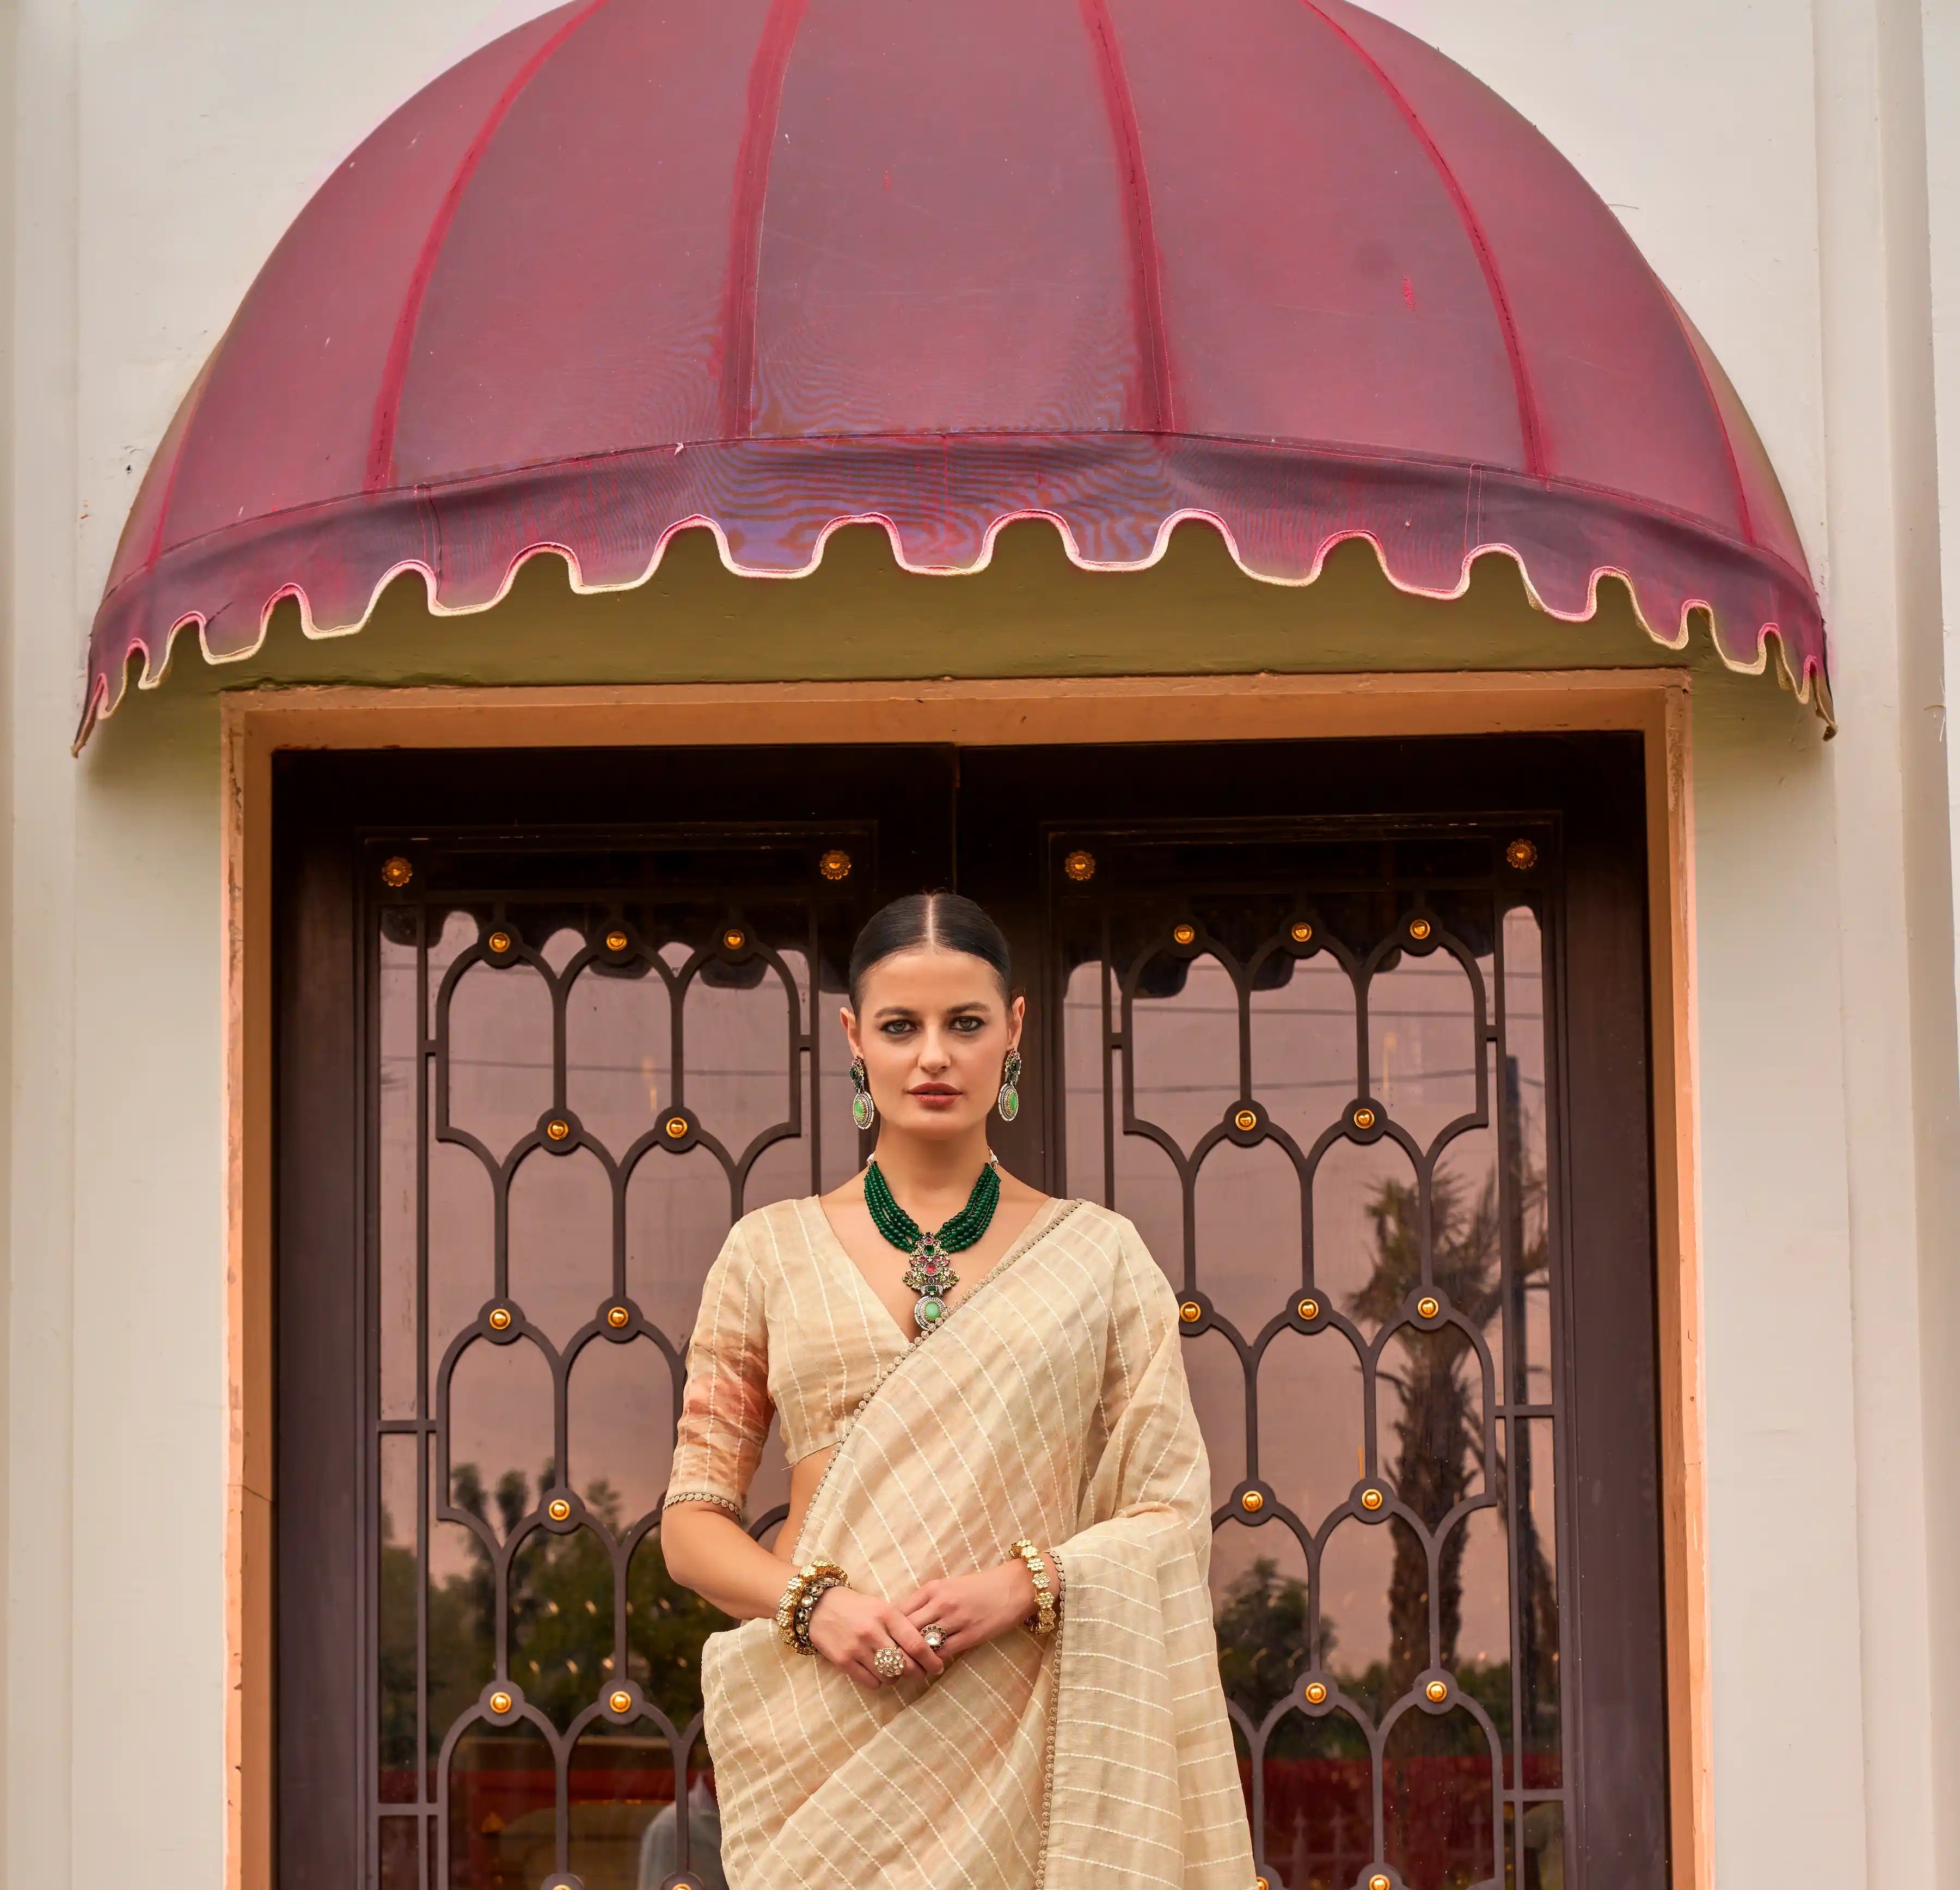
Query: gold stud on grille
[
  {"x": 558, "y": 1128},
  {"x": 1184, "y": 935},
  {"x": 616, "y": 1316},
  {"x": 835, "y": 864},
  {"x": 1246, "y": 1121},
  {"x": 1301, "y": 931},
  {"x": 1190, "y": 1311},
  {"x": 498, "y": 941},
  {"x": 500, "y": 1319},
  {"x": 621, "y": 1701},
  {"x": 734, "y": 938},
  {"x": 676, "y": 1128},
  {"x": 1521, "y": 855},
  {"x": 1437, "y": 1692},
  {"x": 1364, "y": 1118},
  {"x": 1316, "y": 1693},
  {"x": 1428, "y": 1307},
  {"x": 1309, "y": 1308},
  {"x": 616, "y": 941},
  {"x": 1080, "y": 866},
  {"x": 558, "y": 1509},
  {"x": 1251, "y": 1503},
  {"x": 396, "y": 872},
  {"x": 1418, "y": 928},
  {"x": 1372, "y": 1499},
  {"x": 501, "y": 1702},
  {"x": 1379, "y": 1881},
  {"x": 1260, "y": 1883}
]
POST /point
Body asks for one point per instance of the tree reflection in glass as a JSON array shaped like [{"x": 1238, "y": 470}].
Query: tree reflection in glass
[{"x": 1334, "y": 1620}]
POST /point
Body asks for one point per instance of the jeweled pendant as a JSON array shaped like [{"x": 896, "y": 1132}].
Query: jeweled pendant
[
  {"x": 929, "y": 1273},
  {"x": 929, "y": 1311},
  {"x": 863, "y": 1110}
]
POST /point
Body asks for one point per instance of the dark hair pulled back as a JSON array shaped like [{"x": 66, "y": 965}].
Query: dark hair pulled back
[{"x": 948, "y": 920}]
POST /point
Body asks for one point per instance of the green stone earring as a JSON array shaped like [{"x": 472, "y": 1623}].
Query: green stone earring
[
  {"x": 1010, "y": 1093},
  {"x": 863, "y": 1111}
]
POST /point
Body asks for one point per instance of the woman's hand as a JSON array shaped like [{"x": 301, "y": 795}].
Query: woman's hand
[
  {"x": 973, "y": 1608},
  {"x": 848, "y": 1628}
]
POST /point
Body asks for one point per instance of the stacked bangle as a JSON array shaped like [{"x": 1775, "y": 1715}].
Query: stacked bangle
[
  {"x": 1042, "y": 1620},
  {"x": 807, "y": 1586}
]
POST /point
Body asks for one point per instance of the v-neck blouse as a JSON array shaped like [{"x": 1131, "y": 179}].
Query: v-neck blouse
[{"x": 788, "y": 1325}]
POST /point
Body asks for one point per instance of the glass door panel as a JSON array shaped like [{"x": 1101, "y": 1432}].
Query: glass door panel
[
  {"x": 1331, "y": 1061},
  {"x": 578, "y": 1086},
  {"x": 1317, "y": 1082}
]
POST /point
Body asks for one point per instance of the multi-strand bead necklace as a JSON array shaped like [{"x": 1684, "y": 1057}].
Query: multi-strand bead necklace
[{"x": 930, "y": 1275}]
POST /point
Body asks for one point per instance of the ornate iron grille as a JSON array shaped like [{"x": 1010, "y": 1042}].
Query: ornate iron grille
[
  {"x": 1311, "y": 1063},
  {"x": 583, "y": 1072},
  {"x": 587, "y": 1056}
]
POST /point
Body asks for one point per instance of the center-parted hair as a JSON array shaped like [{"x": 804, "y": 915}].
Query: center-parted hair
[{"x": 949, "y": 921}]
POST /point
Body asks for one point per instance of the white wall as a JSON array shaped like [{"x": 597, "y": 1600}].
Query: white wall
[
  {"x": 1940, "y": 29},
  {"x": 156, "y": 152},
  {"x": 1769, "y": 157},
  {"x": 1773, "y": 162}
]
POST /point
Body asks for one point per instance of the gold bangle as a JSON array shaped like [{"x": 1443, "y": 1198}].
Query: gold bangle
[
  {"x": 805, "y": 1587},
  {"x": 1041, "y": 1622},
  {"x": 813, "y": 1593}
]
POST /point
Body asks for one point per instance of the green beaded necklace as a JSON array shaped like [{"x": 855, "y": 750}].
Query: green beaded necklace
[{"x": 930, "y": 1275}]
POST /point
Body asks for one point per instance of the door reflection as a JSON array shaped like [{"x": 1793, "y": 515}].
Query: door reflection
[
  {"x": 1375, "y": 1350},
  {"x": 574, "y": 1101}
]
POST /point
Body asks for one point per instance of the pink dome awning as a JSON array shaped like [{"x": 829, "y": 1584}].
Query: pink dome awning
[{"x": 770, "y": 266}]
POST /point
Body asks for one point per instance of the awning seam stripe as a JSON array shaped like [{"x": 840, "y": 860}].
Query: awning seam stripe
[
  {"x": 1532, "y": 434},
  {"x": 767, "y": 73},
  {"x": 395, "y": 371}
]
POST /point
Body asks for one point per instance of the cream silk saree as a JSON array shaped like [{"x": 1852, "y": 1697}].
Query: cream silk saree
[{"x": 1052, "y": 1404}]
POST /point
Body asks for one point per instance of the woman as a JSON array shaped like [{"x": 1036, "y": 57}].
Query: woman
[{"x": 999, "y": 1524}]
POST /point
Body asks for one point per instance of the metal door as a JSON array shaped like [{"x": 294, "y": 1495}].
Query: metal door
[{"x": 1302, "y": 1013}]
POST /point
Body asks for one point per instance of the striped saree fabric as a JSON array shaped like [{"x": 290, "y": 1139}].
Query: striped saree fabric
[{"x": 1052, "y": 1404}]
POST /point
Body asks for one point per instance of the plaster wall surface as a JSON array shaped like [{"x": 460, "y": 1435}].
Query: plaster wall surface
[
  {"x": 1762, "y": 156},
  {"x": 1940, "y": 22}
]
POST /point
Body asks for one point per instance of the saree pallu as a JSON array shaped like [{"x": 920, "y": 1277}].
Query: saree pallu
[{"x": 1052, "y": 1404}]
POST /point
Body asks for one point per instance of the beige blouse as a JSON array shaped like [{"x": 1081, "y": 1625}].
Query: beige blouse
[{"x": 788, "y": 1325}]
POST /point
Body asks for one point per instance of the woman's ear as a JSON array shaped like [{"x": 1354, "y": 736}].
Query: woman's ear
[
  {"x": 848, "y": 1019},
  {"x": 1017, "y": 1013}
]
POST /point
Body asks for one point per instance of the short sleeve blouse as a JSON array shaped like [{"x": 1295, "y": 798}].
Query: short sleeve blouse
[{"x": 788, "y": 1327}]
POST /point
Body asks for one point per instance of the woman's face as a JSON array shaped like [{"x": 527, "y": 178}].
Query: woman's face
[{"x": 934, "y": 1031}]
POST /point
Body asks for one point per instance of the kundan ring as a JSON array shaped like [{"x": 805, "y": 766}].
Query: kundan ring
[
  {"x": 888, "y": 1664},
  {"x": 932, "y": 1635}
]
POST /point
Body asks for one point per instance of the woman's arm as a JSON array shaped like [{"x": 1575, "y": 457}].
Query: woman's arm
[{"x": 710, "y": 1552}]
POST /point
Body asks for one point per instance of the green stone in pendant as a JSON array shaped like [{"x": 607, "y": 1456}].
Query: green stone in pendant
[{"x": 929, "y": 1311}]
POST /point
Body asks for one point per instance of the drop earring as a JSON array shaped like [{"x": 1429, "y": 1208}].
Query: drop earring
[
  {"x": 863, "y": 1111},
  {"x": 1010, "y": 1093}
]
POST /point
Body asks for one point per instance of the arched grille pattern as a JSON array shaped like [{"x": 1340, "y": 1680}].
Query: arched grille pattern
[
  {"x": 578, "y": 1088},
  {"x": 1314, "y": 1065},
  {"x": 1315, "y": 1071}
]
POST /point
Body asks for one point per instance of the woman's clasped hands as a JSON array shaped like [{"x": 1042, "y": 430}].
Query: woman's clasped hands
[{"x": 849, "y": 1629}]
